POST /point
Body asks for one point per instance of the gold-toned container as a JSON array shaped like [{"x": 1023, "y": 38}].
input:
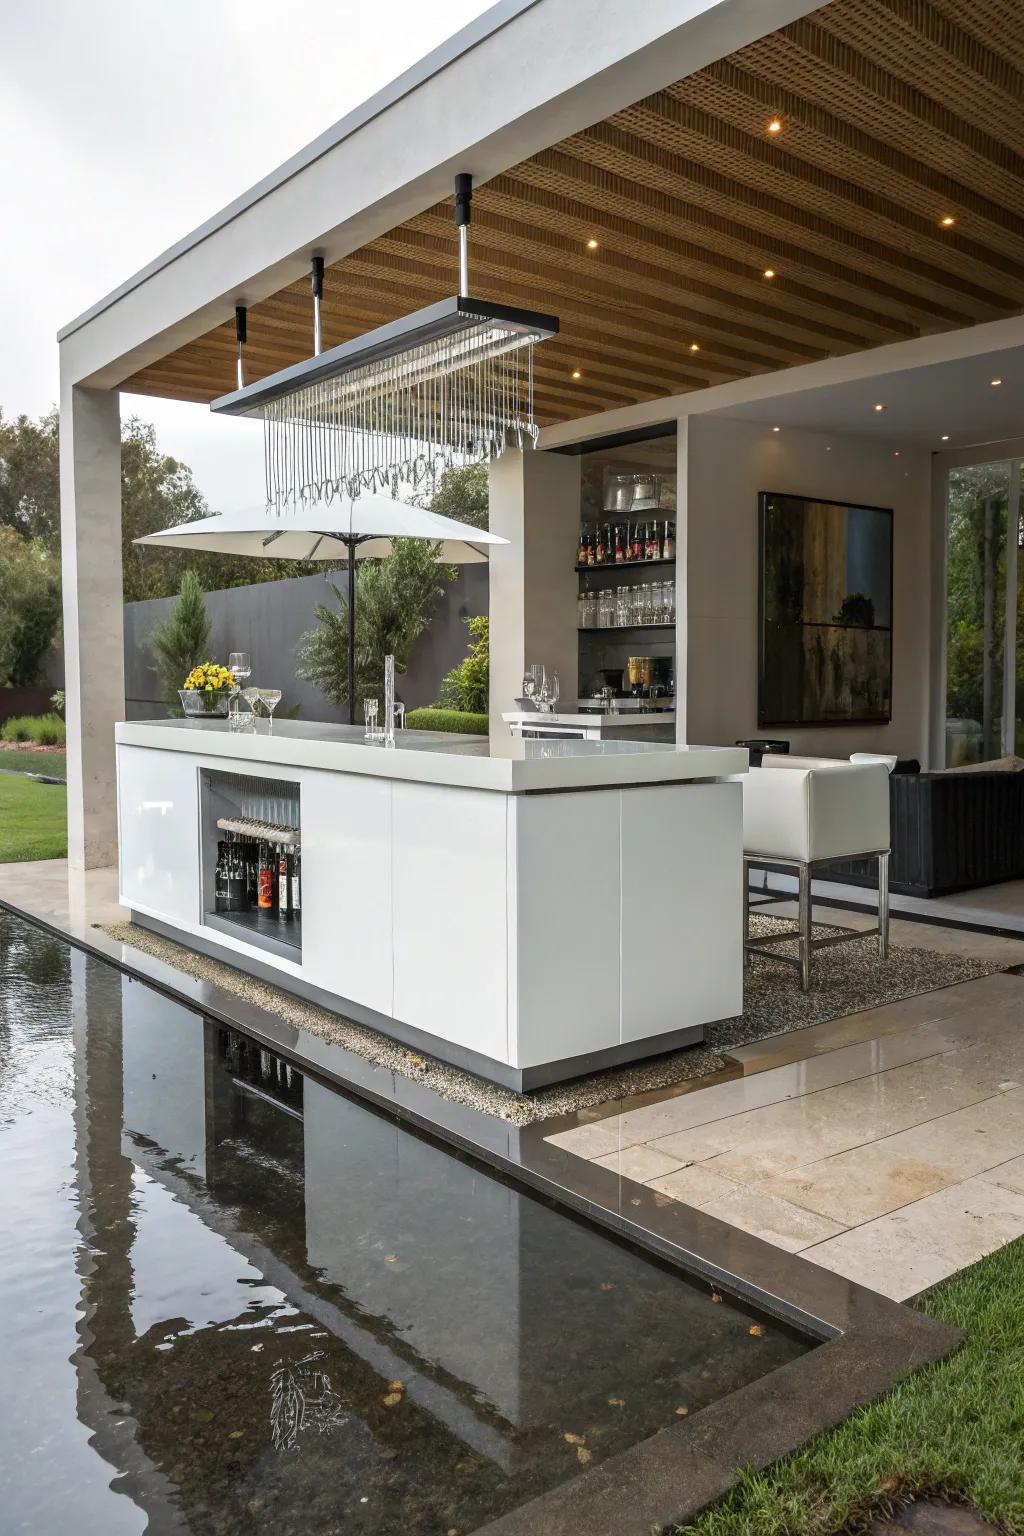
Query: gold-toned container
[{"x": 641, "y": 671}]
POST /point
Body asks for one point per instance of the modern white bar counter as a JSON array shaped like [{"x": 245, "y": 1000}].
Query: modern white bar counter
[{"x": 528, "y": 910}]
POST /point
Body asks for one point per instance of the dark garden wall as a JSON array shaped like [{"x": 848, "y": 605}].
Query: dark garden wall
[{"x": 269, "y": 619}]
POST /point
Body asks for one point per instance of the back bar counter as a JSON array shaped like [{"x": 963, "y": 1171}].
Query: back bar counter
[{"x": 527, "y": 911}]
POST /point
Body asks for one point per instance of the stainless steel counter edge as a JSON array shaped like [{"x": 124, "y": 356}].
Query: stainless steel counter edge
[{"x": 432, "y": 758}]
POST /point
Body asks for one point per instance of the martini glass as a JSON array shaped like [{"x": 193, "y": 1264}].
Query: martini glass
[{"x": 270, "y": 698}]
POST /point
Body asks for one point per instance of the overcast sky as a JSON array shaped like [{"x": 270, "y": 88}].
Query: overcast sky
[{"x": 125, "y": 123}]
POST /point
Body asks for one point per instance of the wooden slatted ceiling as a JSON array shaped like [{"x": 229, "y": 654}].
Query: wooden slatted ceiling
[{"x": 894, "y": 112}]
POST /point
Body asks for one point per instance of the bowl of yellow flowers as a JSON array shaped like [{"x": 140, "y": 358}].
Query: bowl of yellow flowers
[{"x": 207, "y": 690}]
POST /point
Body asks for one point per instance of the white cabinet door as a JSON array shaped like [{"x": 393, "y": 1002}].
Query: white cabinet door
[
  {"x": 682, "y": 914},
  {"x": 346, "y": 887},
  {"x": 566, "y": 924},
  {"x": 450, "y": 918},
  {"x": 158, "y": 815}
]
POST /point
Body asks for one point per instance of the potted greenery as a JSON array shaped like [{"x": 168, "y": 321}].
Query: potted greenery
[{"x": 207, "y": 690}]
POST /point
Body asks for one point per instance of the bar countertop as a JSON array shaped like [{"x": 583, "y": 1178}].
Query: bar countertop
[{"x": 471, "y": 762}]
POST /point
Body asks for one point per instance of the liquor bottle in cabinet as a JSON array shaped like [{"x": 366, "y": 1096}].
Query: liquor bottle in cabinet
[
  {"x": 266, "y": 878},
  {"x": 237, "y": 876},
  {"x": 221, "y": 879},
  {"x": 284, "y": 905},
  {"x": 295, "y": 893}
]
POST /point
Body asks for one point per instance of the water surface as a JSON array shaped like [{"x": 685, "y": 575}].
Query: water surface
[{"x": 234, "y": 1300}]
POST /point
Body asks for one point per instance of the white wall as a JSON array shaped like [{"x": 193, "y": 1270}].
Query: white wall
[{"x": 727, "y": 462}]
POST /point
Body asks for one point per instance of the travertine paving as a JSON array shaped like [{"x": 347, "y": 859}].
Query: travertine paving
[{"x": 887, "y": 1146}]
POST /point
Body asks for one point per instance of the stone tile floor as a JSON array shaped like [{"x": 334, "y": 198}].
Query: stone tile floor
[{"x": 887, "y": 1145}]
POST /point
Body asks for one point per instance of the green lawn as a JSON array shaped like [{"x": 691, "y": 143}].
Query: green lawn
[
  {"x": 53, "y": 763},
  {"x": 33, "y": 819},
  {"x": 956, "y": 1428}
]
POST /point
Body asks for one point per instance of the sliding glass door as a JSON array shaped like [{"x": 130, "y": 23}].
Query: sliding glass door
[{"x": 984, "y": 612}]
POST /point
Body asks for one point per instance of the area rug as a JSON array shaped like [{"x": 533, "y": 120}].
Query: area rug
[{"x": 846, "y": 979}]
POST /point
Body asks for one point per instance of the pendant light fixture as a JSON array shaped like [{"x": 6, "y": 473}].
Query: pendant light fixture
[{"x": 451, "y": 384}]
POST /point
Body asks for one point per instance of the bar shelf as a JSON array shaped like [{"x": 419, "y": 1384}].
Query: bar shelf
[
  {"x": 628, "y": 565},
  {"x": 260, "y": 831},
  {"x": 617, "y": 629}
]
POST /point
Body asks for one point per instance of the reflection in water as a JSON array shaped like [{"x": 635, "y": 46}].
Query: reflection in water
[{"x": 235, "y": 1301}]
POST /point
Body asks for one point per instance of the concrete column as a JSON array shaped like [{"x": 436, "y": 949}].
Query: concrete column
[
  {"x": 90, "y": 515},
  {"x": 534, "y": 503},
  {"x": 682, "y": 578}
]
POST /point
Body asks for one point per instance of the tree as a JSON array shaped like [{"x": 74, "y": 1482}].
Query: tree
[
  {"x": 182, "y": 642},
  {"x": 395, "y": 600},
  {"x": 30, "y": 477},
  {"x": 157, "y": 491},
  {"x": 466, "y": 686},
  {"x": 462, "y": 493},
  {"x": 29, "y": 606}
]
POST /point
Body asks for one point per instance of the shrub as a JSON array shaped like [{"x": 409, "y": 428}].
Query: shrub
[
  {"x": 43, "y": 730},
  {"x": 182, "y": 642},
  {"x": 447, "y": 720},
  {"x": 466, "y": 686},
  {"x": 395, "y": 600}
]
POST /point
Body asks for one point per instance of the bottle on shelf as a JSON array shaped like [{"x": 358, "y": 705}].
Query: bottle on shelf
[
  {"x": 602, "y": 546},
  {"x": 284, "y": 908},
  {"x": 591, "y": 550},
  {"x": 668, "y": 542},
  {"x": 637, "y": 546},
  {"x": 620, "y": 544},
  {"x": 581, "y": 548},
  {"x": 237, "y": 899},
  {"x": 266, "y": 871},
  {"x": 221, "y": 895},
  {"x": 252, "y": 881},
  {"x": 295, "y": 894}
]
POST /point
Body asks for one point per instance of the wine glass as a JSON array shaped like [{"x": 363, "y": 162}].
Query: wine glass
[
  {"x": 553, "y": 690},
  {"x": 238, "y": 664},
  {"x": 270, "y": 698},
  {"x": 252, "y": 698},
  {"x": 528, "y": 685}
]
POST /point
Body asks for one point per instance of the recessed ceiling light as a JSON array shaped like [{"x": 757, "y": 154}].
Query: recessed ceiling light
[
  {"x": 879, "y": 406},
  {"x": 591, "y": 244},
  {"x": 776, "y": 429},
  {"x": 945, "y": 437},
  {"x": 995, "y": 383},
  {"x": 895, "y": 453},
  {"x": 694, "y": 346},
  {"x": 577, "y": 374},
  {"x": 769, "y": 272},
  {"x": 775, "y": 126},
  {"x": 947, "y": 221}
]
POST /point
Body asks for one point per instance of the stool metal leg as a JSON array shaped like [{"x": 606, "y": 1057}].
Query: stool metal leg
[
  {"x": 883, "y": 906},
  {"x": 805, "y": 927},
  {"x": 746, "y": 910}
]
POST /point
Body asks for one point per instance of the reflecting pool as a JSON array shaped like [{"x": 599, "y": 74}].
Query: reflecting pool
[{"x": 234, "y": 1300}]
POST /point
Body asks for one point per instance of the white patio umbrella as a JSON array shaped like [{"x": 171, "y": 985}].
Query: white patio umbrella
[{"x": 345, "y": 531}]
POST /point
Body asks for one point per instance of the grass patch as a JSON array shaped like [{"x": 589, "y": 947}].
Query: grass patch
[
  {"x": 44, "y": 730},
  {"x": 26, "y": 761},
  {"x": 956, "y": 1428},
  {"x": 33, "y": 819}
]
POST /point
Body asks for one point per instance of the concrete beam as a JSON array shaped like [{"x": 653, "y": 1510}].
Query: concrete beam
[{"x": 90, "y": 520}]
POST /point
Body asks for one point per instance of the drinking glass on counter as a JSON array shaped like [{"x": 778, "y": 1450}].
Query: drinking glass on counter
[
  {"x": 270, "y": 698},
  {"x": 370, "y": 707}
]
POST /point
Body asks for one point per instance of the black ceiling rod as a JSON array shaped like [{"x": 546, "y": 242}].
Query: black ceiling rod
[
  {"x": 318, "y": 293},
  {"x": 240, "y": 335},
  {"x": 463, "y": 199}
]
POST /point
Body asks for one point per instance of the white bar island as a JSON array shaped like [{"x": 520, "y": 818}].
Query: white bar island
[{"x": 528, "y": 911}]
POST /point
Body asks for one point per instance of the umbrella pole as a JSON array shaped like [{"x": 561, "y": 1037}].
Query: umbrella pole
[{"x": 350, "y": 545}]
